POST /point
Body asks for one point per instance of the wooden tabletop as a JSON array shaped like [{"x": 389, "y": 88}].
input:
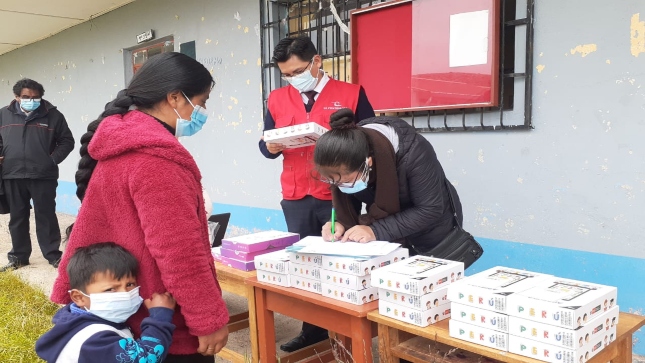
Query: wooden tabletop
[{"x": 359, "y": 311}]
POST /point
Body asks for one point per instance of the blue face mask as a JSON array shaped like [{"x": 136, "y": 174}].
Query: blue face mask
[
  {"x": 29, "y": 105},
  {"x": 360, "y": 184},
  {"x": 191, "y": 127},
  {"x": 116, "y": 307},
  {"x": 303, "y": 82}
]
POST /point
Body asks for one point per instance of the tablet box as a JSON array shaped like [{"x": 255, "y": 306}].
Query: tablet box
[
  {"x": 237, "y": 264},
  {"x": 296, "y": 136},
  {"x": 478, "y": 335},
  {"x": 557, "y": 354},
  {"x": 277, "y": 262},
  {"x": 345, "y": 280},
  {"x": 247, "y": 256},
  {"x": 306, "y": 284},
  {"x": 421, "y": 303},
  {"x": 306, "y": 271},
  {"x": 274, "y": 278},
  {"x": 260, "y": 241},
  {"x": 362, "y": 266},
  {"x": 480, "y": 317},
  {"x": 306, "y": 259},
  {"x": 350, "y": 296},
  {"x": 413, "y": 316},
  {"x": 217, "y": 253},
  {"x": 563, "y": 337},
  {"x": 417, "y": 275},
  {"x": 562, "y": 302},
  {"x": 491, "y": 288}
]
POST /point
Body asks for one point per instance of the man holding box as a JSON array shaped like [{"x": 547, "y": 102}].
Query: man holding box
[{"x": 312, "y": 96}]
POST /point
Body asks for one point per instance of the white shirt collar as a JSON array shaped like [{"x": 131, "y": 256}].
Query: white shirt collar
[{"x": 322, "y": 83}]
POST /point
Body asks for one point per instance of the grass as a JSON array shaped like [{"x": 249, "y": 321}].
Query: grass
[{"x": 25, "y": 314}]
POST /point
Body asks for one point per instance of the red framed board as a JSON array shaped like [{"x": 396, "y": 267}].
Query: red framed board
[{"x": 427, "y": 54}]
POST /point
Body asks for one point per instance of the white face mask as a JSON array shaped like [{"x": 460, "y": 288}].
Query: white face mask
[{"x": 116, "y": 307}]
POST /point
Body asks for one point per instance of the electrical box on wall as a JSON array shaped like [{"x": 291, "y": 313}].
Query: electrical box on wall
[{"x": 145, "y": 36}]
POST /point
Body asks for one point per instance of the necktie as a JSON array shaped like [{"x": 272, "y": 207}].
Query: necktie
[{"x": 310, "y": 95}]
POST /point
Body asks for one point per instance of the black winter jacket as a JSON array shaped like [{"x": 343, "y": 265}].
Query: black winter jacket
[
  {"x": 33, "y": 145},
  {"x": 426, "y": 215}
]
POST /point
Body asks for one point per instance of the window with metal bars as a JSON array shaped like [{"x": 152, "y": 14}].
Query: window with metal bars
[{"x": 321, "y": 20}]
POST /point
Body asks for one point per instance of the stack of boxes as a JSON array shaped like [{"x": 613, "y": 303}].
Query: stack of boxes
[
  {"x": 273, "y": 268},
  {"x": 414, "y": 290},
  {"x": 240, "y": 252},
  {"x": 534, "y": 315}
]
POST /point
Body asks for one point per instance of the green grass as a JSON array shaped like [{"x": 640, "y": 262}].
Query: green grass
[{"x": 25, "y": 314}]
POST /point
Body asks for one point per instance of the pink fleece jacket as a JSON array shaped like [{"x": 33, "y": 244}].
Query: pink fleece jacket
[{"x": 145, "y": 194}]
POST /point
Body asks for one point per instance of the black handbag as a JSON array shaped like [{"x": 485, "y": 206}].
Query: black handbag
[{"x": 458, "y": 245}]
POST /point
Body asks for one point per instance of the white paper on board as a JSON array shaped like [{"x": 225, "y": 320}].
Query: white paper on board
[{"x": 469, "y": 39}]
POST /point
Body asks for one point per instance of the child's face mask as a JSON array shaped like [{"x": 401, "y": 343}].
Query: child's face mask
[{"x": 116, "y": 307}]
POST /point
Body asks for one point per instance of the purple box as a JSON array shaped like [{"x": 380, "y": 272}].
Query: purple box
[
  {"x": 246, "y": 256},
  {"x": 260, "y": 241},
  {"x": 240, "y": 265}
]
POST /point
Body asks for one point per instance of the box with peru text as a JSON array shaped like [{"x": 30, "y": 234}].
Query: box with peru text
[
  {"x": 350, "y": 296},
  {"x": 480, "y": 317},
  {"x": 414, "y": 316},
  {"x": 563, "y": 302},
  {"x": 301, "y": 135},
  {"x": 476, "y": 334},
  {"x": 421, "y": 303},
  {"x": 306, "y": 271},
  {"x": 306, "y": 259},
  {"x": 491, "y": 288},
  {"x": 302, "y": 283},
  {"x": 277, "y": 262},
  {"x": 260, "y": 241},
  {"x": 362, "y": 266},
  {"x": 563, "y": 337},
  {"x": 274, "y": 278},
  {"x": 345, "y": 280},
  {"x": 417, "y": 275}
]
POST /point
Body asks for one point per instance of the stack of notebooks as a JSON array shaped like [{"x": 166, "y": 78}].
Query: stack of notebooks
[{"x": 240, "y": 252}]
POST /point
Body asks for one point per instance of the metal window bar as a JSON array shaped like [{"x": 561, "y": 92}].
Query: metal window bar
[{"x": 282, "y": 18}]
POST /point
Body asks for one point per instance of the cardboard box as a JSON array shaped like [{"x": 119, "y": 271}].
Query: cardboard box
[
  {"x": 277, "y": 262},
  {"x": 563, "y": 337},
  {"x": 345, "y": 280},
  {"x": 478, "y": 335},
  {"x": 413, "y": 316},
  {"x": 274, "y": 278},
  {"x": 421, "y": 303},
  {"x": 350, "y": 296},
  {"x": 301, "y": 135},
  {"x": 491, "y": 288},
  {"x": 302, "y": 283},
  {"x": 480, "y": 317},
  {"x": 246, "y": 256},
  {"x": 260, "y": 241},
  {"x": 306, "y": 271},
  {"x": 558, "y": 354},
  {"x": 417, "y": 275},
  {"x": 240, "y": 265},
  {"x": 362, "y": 266},
  {"x": 305, "y": 259},
  {"x": 217, "y": 253},
  {"x": 563, "y": 302}
]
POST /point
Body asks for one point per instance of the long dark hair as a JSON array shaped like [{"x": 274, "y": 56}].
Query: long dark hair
[{"x": 342, "y": 146}]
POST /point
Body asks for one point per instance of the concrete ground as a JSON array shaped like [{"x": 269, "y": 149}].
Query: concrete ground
[{"x": 41, "y": 275}]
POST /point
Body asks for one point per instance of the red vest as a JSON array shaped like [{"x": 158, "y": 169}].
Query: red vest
[{"x": 287, "y": 109}]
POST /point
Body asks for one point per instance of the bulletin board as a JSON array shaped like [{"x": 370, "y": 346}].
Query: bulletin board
[{"x": 427, "y": 54}]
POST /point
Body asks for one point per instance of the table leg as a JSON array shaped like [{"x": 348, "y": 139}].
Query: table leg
[
  {"x": 266, "y": 328},
  {"x": 361, "y": 340},
  {"x": 388, "y": 338},
  {"x": 624, "y": 349},
  {"x": 253, "y": 327}
]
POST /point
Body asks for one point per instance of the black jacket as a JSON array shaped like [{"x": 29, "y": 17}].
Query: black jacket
[
  {"x": 33, "y": 145},
  {"x": 426, "y": 215}
]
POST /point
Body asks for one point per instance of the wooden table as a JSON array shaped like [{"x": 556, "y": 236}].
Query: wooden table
[
  {"x": 232, "y": 280},
  {"x": 346, "y": 319},
  {"x": 399, "y": 340}
]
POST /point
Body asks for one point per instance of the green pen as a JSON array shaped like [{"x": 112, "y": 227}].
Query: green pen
[{"x": 333, "y": 223}]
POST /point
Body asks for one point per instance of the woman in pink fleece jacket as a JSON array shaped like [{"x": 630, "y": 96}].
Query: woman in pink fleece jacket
[{"x": 141, "y": 188}]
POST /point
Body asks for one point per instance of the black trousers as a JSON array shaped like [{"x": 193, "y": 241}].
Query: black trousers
[
  {"x": 306, "y": 217},
  {"x": 43, "y": 193}
]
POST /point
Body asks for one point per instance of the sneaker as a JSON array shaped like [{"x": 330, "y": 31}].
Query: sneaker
[{"x": 13, "y": 265}]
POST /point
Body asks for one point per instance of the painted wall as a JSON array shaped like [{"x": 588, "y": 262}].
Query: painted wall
[{"x": 565, "y": 198}]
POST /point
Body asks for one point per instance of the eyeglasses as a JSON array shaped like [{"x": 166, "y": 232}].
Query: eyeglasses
[
  {"x": 29, "y": 98},
  {"x": 362, "y": 175},
  {"x": 296, "y": 74}
]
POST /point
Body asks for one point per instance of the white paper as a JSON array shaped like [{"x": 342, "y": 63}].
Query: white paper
[
  {"x": 469, "y": 39},
  {"x": 318, "y": 246}
]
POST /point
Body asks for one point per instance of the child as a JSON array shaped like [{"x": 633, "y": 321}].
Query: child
[{"x": 104, "y": 295}]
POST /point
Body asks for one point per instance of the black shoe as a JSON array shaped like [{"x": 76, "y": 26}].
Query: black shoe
[
  {"x": 13, "y": 265},
  {"x": 303, "y": 340},
  {"x": 55, "y": 263}
]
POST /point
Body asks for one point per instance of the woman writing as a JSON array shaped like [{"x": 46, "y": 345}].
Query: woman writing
[{"x": 140, "y": 188}]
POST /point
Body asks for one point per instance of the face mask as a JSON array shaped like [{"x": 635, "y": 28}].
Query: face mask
[
  {"x": 360, "y": 184},
  {"x": 191, "y": 127},
  {"x": 304, "y": 82},
  {"x": 29, "y": 105},
  {"x": 116, "y": 307}
]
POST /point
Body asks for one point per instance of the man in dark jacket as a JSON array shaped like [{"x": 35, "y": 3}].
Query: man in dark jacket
[{"x": 34, "y": 138}]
